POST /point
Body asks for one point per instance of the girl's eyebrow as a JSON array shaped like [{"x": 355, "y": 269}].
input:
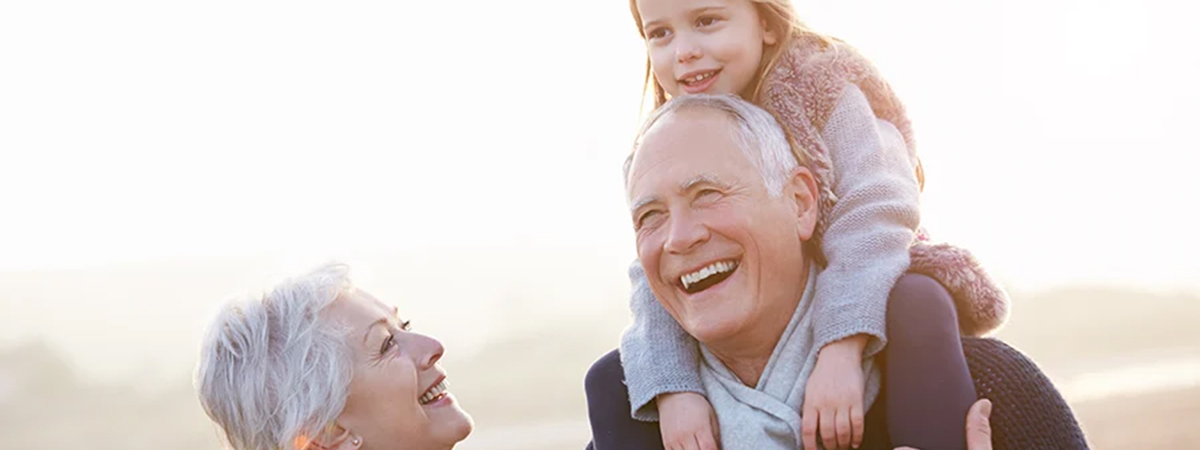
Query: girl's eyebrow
[
  {"x": 691, "y": 13},
  {"x": 704, "y": 9},
  {"x": 647, "y": 25}
]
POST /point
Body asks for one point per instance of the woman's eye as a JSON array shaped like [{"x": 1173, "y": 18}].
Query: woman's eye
[
  {"x": 707, "y": 194},
  {"x": 387, "y": 344},
  {"x": 706, "y": 21}
]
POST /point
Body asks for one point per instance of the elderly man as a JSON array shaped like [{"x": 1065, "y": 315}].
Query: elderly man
[{"x": 722, "y": 213}]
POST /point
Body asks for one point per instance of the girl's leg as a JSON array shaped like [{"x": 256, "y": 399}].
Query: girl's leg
[
  {"x": 609, "y": 411},
  {"x": 929, "y": 387}
]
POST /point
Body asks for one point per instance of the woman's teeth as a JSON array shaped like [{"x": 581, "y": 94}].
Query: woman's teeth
[
  {"x": 708, "y": 271},
  {"x": 433, "y": 393}
]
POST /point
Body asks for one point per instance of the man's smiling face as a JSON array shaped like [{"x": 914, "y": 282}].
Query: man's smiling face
[{"x": 720, "y": 252}]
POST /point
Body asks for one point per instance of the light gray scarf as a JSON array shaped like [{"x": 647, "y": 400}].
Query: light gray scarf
[{"x": 767, "y": 417}]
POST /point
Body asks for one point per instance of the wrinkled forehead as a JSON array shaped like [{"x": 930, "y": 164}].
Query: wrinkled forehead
[{"x": 684, "y": 145}]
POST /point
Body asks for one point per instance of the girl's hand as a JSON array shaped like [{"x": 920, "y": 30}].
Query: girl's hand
[
  {"x": 687, "y": 422},
  {"x": 833, "y": 396}
]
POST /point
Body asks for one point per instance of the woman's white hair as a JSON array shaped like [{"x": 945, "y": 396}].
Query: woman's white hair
[
  {"x": 271, "y": 371},
  {"x": 757, "y": 132}
]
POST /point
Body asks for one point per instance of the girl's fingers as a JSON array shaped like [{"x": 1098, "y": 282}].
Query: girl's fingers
[
  {"x": 809, "y": 427},
  {"x": 843, "y": 429},
  {"x": 829, "y": 428},
  {"x": 857, "y": 423}
]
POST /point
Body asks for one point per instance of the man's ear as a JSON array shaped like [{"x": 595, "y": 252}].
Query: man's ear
[
  {"x": 802, "y": 190},
  {"x": 335, "y": 438}
]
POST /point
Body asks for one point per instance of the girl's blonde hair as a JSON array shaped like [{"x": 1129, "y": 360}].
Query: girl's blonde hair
[{"x": 778, "y": 15}]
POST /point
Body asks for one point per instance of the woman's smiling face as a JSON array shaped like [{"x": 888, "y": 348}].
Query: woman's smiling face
[{"x": 397, "y": 396}]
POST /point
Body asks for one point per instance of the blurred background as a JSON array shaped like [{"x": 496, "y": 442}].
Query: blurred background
[{"x": 158, "y": 157}]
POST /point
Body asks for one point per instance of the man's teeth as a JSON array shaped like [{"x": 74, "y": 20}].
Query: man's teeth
[
  {"x": 698, "y": 78},
  {"x": 433, "y": 392},
  {"x": 708, "y": 271}
]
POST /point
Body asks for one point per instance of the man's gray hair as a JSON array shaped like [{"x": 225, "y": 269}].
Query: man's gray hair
[
  {"x": 758, "y": 134},
  {"x": 271, "y": 370}
]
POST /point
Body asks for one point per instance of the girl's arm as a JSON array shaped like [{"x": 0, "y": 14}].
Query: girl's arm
[
  {"x": 657, "y": 355},
  {"x": 870, "y": 227}
]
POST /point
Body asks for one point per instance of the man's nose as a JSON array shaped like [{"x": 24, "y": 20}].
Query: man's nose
[
  {"x": 685, "y": 233},
  {"x": 426, "y": 351}
]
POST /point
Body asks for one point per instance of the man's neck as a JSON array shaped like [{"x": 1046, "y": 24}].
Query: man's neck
[
  {"x": 747, "y": 354},
  {"x": 746, "y": 363}
]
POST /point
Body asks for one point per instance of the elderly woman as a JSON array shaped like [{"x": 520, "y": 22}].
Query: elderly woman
[{"x": 317, "y": 364}]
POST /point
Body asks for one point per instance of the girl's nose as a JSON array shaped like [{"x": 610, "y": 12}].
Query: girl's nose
[{"x": 686, "y": 51}]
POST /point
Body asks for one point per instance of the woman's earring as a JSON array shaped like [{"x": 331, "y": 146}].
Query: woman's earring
[{"x": 355, "y": 442}]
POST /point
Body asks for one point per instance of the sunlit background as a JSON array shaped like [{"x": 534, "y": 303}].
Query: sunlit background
[{"x": 158, "y": 157}]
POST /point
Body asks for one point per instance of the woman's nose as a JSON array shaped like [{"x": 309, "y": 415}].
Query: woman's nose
[{"x": 426, "y": 351}]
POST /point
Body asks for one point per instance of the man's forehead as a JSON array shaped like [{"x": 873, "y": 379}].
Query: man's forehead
[{"x": 682, "y": 148}]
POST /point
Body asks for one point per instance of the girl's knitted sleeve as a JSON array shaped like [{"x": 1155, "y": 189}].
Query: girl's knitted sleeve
[
  {"x": 871, "y": 225},
  {"x": 657, "y": 355}
]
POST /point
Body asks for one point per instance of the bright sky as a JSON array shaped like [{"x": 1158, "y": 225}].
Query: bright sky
[{"x": 1057, "y": 135}]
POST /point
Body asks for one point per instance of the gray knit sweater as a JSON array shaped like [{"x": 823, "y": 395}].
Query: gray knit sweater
[{"x": 865, "y": 244}]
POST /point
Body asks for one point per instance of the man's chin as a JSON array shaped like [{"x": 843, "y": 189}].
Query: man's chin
[{"x": 711, "y": 331}]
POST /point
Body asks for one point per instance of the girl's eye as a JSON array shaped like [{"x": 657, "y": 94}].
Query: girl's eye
[
  {"x": 387, "y": 344},
  {"x": 656, "y": 33},
  {"x": 706, "y": 21}
]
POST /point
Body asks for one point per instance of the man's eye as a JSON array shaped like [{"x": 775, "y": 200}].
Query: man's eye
[
  {"x": 646, "y": 217},
  {"x": 708, "y": 194}
]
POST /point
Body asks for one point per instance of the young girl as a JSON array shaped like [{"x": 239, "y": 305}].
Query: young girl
[{"x": 868, "y": 238}]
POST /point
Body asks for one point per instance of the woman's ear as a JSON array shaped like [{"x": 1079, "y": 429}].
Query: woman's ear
[
  {"x": 335, "y": 438},
  {"x": 802, "y": 189}
]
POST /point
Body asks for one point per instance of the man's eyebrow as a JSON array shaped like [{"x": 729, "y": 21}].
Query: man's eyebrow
[
  {"x": 691, "y": 183},
  {"x": 704, "y": 178},
  {"x": 641, "y": 203}
]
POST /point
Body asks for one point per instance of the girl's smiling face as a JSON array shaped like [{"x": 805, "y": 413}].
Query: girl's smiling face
[{"x": 704, "y": 46}]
